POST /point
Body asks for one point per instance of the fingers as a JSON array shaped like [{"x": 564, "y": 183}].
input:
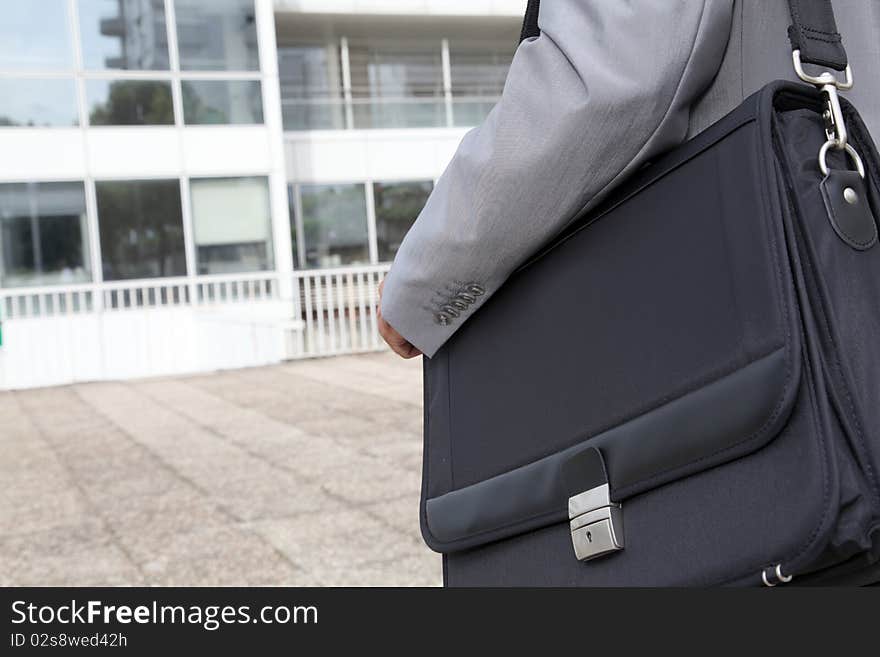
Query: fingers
[{"x": 399, "y": 344}]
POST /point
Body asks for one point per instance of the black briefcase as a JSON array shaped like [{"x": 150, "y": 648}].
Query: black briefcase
[{"x": 684, "y": 388}]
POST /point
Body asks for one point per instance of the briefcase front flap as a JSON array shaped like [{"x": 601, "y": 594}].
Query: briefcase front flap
[{"x": 659, "y": 337}]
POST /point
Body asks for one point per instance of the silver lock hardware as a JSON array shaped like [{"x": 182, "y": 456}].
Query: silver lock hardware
[{"x": 596, "y": 523}]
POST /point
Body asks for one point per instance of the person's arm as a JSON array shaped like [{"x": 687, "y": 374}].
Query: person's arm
[{"x": 606, "y": 86}]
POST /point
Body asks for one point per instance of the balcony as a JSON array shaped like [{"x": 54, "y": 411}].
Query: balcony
[{"x": 395, "y": 73}]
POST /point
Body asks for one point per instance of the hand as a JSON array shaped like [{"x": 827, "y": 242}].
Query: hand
[{"x": 399, "y": 344}]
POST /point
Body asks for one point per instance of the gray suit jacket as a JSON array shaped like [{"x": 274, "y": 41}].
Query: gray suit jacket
[{"x": 607, "y": 85}]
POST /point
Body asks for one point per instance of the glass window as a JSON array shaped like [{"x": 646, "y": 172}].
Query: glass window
[
  {"x": 43, "y": 234},
  {"x": 220, "y": 35},
  {"x": 397, "y": 206},
  {"x": 124, "y": 34},
  {"x": 232, "y": 224},
  {"x": 222, "y": 101},
  {"x": 334, "y": 225},
  {"x": 129, "y": 102},
  {"x": 35, "y": 35},
  {"x": 311, "y": 87},
  {"x": 397, "y": 85},
  {"x": 478, "y": 72},
  {"x": 31, "y": 102},
  {"x": 141, "y": 228}
]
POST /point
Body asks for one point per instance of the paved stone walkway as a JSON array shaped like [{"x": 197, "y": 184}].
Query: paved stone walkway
[{"x": 303, "y": 474}]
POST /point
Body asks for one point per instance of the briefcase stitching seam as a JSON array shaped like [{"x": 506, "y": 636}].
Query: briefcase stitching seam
[
  {"x": 860, "y": 140},
  {"x": 840, "y": 372},
  {"x": 803, "y": 29},
  {"x": 604, "y": 210},
  {"x": 822, "y": 443},
  {"x": 826, "y": 506},
  {"x": 714, "y": 376}
]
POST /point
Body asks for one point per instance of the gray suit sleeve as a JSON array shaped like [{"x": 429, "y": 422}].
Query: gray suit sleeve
[{"x": 607, "y": 86}]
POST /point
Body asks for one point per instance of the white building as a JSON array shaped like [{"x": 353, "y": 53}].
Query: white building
[{"x": 189, "y": 185}]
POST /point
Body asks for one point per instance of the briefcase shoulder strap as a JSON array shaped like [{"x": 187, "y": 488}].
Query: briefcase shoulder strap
[
  {"x": 813, "y": 31},
  {"x": 530, "y": 22}
]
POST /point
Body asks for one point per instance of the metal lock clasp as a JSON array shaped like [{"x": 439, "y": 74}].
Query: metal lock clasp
[{"x": 596, "y": 523}]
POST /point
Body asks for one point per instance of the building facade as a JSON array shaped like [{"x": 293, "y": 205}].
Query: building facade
[{"x": 191, "y": 185}]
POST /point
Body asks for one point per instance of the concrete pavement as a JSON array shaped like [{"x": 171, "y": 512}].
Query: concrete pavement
[{"x": 302, "y": 474}]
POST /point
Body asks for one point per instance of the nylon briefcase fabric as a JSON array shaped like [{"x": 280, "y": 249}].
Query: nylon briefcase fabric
[{"x": 685, "y": 384}]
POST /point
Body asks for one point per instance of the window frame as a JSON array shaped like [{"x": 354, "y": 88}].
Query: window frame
[
  {"x": 186, "y": 70},
  {"x": 299, "y": 221},
  {"x": 297, "y": 224},
  {"x": 188, "y": 80},
  {"x": 138, "y": 80},
  {"x": 389, "y": 182},
  {"x": 77, "y": 71},
  {"x": 101, "y": 255},
  {"x": 88, "y": 247},
  {"x": 77, "y": 25},
  {"x": 193, "y": 245}
]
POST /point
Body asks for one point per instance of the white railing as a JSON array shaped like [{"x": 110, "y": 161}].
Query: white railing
[
  {"x": 338, "y": 308},
  {"x": 55, "y": 301},
  {"x": 122, "y": 329},
  {"x": 141, "y": 328},
  {"x": 16, "y": 303}
]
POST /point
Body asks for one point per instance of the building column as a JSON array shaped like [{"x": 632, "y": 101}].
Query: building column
[
  {"x": 346, "y": 83},
  {"x": 272, "y": 116},
  {"x": 447, "y": 84}
]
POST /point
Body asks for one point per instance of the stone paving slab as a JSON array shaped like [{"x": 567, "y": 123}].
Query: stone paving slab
[{"x": 301, "y": 474}]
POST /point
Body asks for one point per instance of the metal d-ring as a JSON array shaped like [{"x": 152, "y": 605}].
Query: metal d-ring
[
  {"x": 823, "y": 152},
  {"x": 782, "y": 579},
  {"x": 827, "y": 77},
  {"x": 785, "y": 579}
]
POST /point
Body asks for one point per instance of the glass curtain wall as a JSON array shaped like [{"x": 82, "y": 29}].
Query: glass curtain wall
[
  {"x": 333, "y": 227},
  {"x": 334, "y": 221},
  {"x": 311, "y": 87},
  {"x": 394, "y": 82},
  {"x": 220, "y": 35},
  {"x": 121, "y": 36},
  {"x": 36, "y": 48},
  {"x": 129, "y": 76},
  {"x": 477, "y": 73},
  {"x": 397, "y": 207},
  {"x": 126, "y": 36},
  {"x": 396, "y": 85}
]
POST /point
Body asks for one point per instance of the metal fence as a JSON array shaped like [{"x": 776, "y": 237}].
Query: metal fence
[
  {"x": 328, "y": 311},
  {"x": 61, "y": 300},
  {"x": 338, "y": 309}
]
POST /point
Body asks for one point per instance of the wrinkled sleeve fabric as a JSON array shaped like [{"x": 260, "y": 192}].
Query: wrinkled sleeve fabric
[{"x": 606, "y": 86}]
